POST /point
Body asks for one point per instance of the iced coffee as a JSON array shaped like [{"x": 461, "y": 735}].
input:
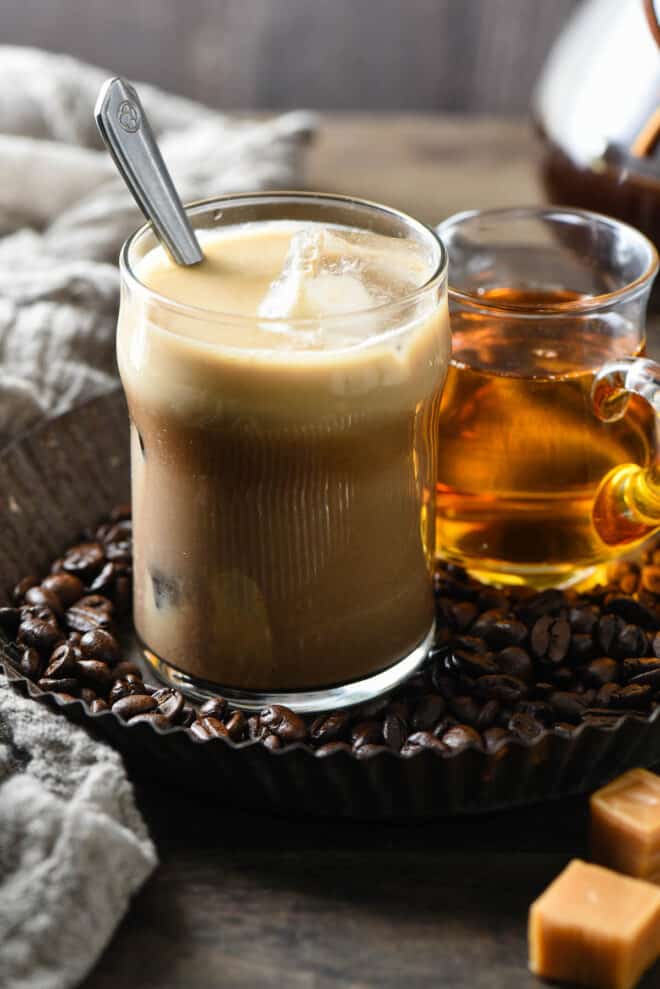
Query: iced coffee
[{"x": 280, "y": 395}]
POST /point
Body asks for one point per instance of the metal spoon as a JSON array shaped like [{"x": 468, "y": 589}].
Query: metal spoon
[{"x": 125, "y": 130}]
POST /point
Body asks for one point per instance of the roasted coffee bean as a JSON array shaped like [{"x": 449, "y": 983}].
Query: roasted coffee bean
[
  {"x": 153, "y": 718},
  {"x": 255, "y": 728},
  {"x": 128, "y": 707},
  {"x": 567, "y": 705},
  {"x": 104, "y": 582},
  {"x": 121, "y": 511},
  {"x": 499, "y": 630},
  {"x": 31, "y": 664},
  {"x": 122, "y": 595},
  {"x": 602, "y": 719},
  {"x": 332, "y": 748},
  {"x": 538, "y": 710},
  {"x": 542, "y": 690},
  {"x": 23, "y": 586},
  {"x": 630, "y": 642},
  {"x": 501, "y": 687},
  {"x": 633, "y": 612},
  {"x": 444, "y": 683},
  {"x": 236, "y": 726},
  {"x": 465, "y": 710},
  {"x": 525, "y": 727},
  {"x": 271, "y": 742},
  {"x": 515, "y": 662},
  {"x": 87, "y": 695},
  {"x": 376, "y": 707},
  {"x": 421, "y": 741},
  {"x": 368, "y": 750},
  {"x": 187, "y": 716},
  {"x": 41, "y": 597},
  {"x": 607, "y": 633},
  {"x": 487, "y": 715},
  {"x": 492, "y": 599},
  {"x": 548, "y": 602},
  {"x": 40, "y": 630},
  {"x": 66, "y": 587},
  {"x": 98, "y": 705},
  {"x": 429, "y": 710},
  {"x": 120, "y": 532},
  {"x": 284, "y": 723},
  {"x": 469, "y": 643},
  {"x": 472, "y": 664},
  {"x": 651, "y": 579},
  {"x": 634, "y": 695},
  {"x": 330, "y": 727},
  {"x": 125, "y": 686},
  {"x": 394, "y": 732},
  {"x": 495, "y": 738},
  {"x": 215, "y": 707},
  {"x": 63, "y": 661},
  {"x": 96, "y": 674},
  {"x": 84, "y": 560},
  {"x": 605, "y": 694},
  {"x": 582, "y": 648},
  {"x": 9, "y": 620},
  {"x": 208, "y": 727},
  {"x": 170, "y": 703},
  {"x": 126, "y": 667},
  {"x": 67, "y": 685},
  {"x": 119, "y": 552},
  {"x": 366, "y": 733},
  {"x": 602, "y": 671},
  {"x": 582, "y": 620},
  {"x": 563, "y": 678},
  {"x": 463, "y": 613},
  {"x": 90, "y": 612},
  {"x": 634, "y": 666},
  {"x": 100, "y": 644},
  {"x": 460, "y": 736},
  {"x": 550, "y": 639}
]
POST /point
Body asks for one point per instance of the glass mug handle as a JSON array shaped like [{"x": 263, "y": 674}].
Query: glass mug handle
[{"x": 627, "y": 503}]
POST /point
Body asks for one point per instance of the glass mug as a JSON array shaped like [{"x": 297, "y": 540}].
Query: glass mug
[
  {"x": 280, "y": 551},
  {"x": 548, "y": 466}
]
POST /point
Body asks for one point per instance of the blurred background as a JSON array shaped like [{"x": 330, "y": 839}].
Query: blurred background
[{"x": 471, "y": 56}]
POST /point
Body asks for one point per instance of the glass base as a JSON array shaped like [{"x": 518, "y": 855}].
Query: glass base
[{"x": 301, "y": 701}]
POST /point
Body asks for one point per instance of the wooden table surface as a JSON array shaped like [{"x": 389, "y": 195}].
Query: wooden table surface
[{"x": 249, "y": 901}]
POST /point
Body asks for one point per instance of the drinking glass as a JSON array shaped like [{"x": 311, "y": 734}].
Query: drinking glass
[{"x": 539, "y": 479}]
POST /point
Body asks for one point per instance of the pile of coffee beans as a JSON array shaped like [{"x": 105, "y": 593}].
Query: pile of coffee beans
[{"x": 507, "y": 663}]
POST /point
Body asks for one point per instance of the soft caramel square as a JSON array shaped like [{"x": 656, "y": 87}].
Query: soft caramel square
[
  {"x": 625, "y": 825},
  {"x": 595, "y": 928}
]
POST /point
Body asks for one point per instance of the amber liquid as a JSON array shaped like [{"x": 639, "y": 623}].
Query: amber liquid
[{"x": 521, "y": 452}]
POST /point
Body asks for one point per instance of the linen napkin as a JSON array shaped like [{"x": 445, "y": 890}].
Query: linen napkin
[{"x": 73, "y": 847}]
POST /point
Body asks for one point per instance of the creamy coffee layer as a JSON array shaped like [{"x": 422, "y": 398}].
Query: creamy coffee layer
[{"x": 277, "y": 393}]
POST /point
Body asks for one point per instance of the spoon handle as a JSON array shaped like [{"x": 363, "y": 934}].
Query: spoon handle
[{"x": 125, "y": 129}]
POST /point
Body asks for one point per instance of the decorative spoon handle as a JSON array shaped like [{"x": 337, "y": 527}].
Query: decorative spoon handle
[{"x": 125, "y": 129}]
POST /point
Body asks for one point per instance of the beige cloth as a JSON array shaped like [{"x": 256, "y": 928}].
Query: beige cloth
[{"x": 65, "y": 212}]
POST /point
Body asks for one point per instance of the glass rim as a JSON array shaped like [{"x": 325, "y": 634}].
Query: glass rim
[
  {"x": 591, "y": 303},
  {"x": 438, "y": 274}
]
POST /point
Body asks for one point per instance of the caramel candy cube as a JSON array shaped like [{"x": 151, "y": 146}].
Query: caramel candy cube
[
  {"x": 625, "y": 825},
  {"x": 595, "y": 928}
]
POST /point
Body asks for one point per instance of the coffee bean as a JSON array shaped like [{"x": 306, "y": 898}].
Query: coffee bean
[
  {"x": 122, "y": 595},
  {"x": 607, "y": 633},
  {"x": 89, "y": 613},
  {"x": 634, "y": 695},
  {"x": 40, "y": 630},
  {"x": 368, "y": 751},
  {"x": 84, "y": 560},
  {"x": 465, "y": 709},
  {"x": 366, "y": 733},
  {"x": 470, "y": 664},
  {"x": 87, "y": 695},
  {"x": 582, "y": 648},
  {"x": 23, "y": 586},
  {"x": 550, "y": 639},
  {"x": 421, "y": 741},
  {"x": 548, "y": 602},
  {"x": 271, "y": 742},
  {"x": 563, "y": 678},
  {"x": 66, "y": 587},
  {"x": 515, "y": 662},
  {"x": 100, "y": 644},
  {"x": 461, "y": 736},
  {"x": 208, "y": 727},
  {"x": 284, "y": 723},
  {"x": 128, "y": 707},
  {"x": 215, "y": 707},
  {"x": 582, "y": 620},
  {"x": 538, "y": 710},
  {"x": 237, "y": 726},
  {"x": 63, "y": 661},
  {"x": 605, "y": 694},
  {"x": 126, "y": 686},
  {"x": 487, "y": 715},
  {"x": 121, "y": 511},
  {"x": 255, "y": 729},
  {"x": 445, "y": 684},
  {"x": 329, "y": 727},
  {"x": 332, "y": 748},
  {"x": 602, "y": 671},
  {"x": 651, "y": 579},
  {"x": 542, "y": 690},
  {"x": 96, "y": 674},
  {"x": 498, "y": 630},
  {"x": 525, "y": 727},
  {"x": 104, "y": 582},
  {"x": 119, "y": 552},
  {"x": 31, "y": 664},
  {"x": 394, "y": 732},
  {"x": 121, "y": 531},
  {"x": 98, "y": 705},
  {"x": 495, "y": 738},
  {"x": 567, "y": 705},
  {"x": 41, "y": 597},
  {"x": 429, "y": 710},
  {"x": 633, "y": 612},
  {"x": 463, "y": 613},
  {"x": 153, "y": 718},
  {"x": 491, "y": 599},
  {"x": 67, "y": 685},
  {"x": 631, "y": 642},
  {"x": 170, "y": 703},
  {"x": 124, "y": 668},
  {"x": 501, "y": 687},
  {"x": 9, "y": 620}
]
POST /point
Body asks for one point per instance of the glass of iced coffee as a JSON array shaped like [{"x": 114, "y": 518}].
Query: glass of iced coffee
[{"x": 282, "y": 395}]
